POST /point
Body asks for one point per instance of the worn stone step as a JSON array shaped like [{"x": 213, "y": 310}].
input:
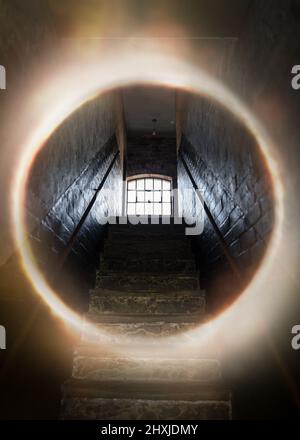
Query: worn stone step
[
  {"x": 130, "y": 318},
  {"x": 105, "y": 368},
  {"x": 155, "y": 400},
  {"x": 148, "y": 254},
  {"x": 153, "y": 230},
  {"x": 122, "y": 329},
  {"x": 147, "y": 282},
  {"x": 161, "y": 264},
  {"x": 144, "y": 409},
  {"x": 146, "y": 229},
  {"x": 144, "y": 235},
  {"x": 170, "y": 349},
  {"x": 151, "y": 248},
  {"x": 181, "y": 302},
  {"x": 156, "y": 389},
  {"x": 151, "y": 241}
]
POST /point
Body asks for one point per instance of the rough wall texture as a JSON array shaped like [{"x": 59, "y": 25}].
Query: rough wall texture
[
  {"x": 70, "y": 150},
  {"x": 58, "y": 225},
  {"x": 189, "y": 205},
  {"x": 63, "y": 180},
  {"x": 261, "y": 74},
  {"x": 151, "y": 155},
  {"x": 260, "y": 71},
  {"x": 229, "y": 170},
  {"x": 28, "y": 39}
]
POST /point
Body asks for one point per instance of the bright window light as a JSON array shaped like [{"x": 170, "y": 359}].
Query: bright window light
[
  {"x": 131, "y": 184},
  {"x": 149, "y": 196}
]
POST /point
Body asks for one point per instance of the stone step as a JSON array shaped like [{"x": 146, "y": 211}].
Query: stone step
[
  {"x": 122, "y": 329},
  {"x": 130, "y": 318},
  {"x": 144, "y": 235},
  {"x": 139, "y": 400},
  {"x": 83, "y": 408},
  {"x": 149, "y": 254},
  {"x": 151, "y": 240},
  {"x": 156, "y": 389},
  {"x": 102, "y": 368},
  {"x": 170, "y": 350},
  {"x": 147, "y": 229},
  {"x": 150, "y": 248},
  {"x": 147, "y": 282},
  {"x": 160, "y": 264},
  {"x": 181, "y": 302}
]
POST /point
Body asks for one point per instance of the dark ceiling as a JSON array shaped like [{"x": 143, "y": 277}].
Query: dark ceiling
[
  {"x": 143, "y": 104},
  {"x": 197, "y": 21}
]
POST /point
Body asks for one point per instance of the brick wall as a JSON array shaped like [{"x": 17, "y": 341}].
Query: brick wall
[
  {"x": 151, "y": 155},
  {"x": 229, "y": 170},
  {"x": 63, "y": 180},
  {"x": 28, "y": 41},
  {"x": 259, "y": 72}
]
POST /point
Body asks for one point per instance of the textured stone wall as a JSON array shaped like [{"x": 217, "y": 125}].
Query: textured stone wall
[
  {"x": 189, "y": 205},
  {"x": 230, "y": 172},
  {"x": 28, "y": 40},
  {"x": 259, "y": 71},
  {"x": 63, "y": 181},
  {"x": 70, "y": 150},
  {"x": 151, "y": 155}
]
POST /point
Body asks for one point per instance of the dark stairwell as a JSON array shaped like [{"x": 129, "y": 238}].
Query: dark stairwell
[
  {"x": 148, "y": 283},
  {"x": 150, "y": 279},
  {"x": 148, "y": 287},
  {"x": 225, "y": 164}
]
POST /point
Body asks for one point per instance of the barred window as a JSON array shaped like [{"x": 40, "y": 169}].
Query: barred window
[{"x": 149, "y": 196}]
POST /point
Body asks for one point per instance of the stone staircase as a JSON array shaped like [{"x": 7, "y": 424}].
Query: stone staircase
[{"x": 147, "y": 289}]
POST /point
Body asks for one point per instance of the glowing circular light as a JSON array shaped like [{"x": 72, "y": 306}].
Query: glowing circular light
[{"x": 50, "y": 110}]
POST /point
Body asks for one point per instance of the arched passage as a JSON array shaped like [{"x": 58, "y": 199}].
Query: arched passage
[{"x": 223, "y": 161}]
